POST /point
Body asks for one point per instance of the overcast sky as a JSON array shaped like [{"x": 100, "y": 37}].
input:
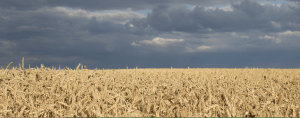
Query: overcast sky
[{"x": 151, "y": 33}]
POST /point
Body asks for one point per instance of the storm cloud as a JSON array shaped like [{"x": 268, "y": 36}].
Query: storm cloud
[
  {"x": 246, "y": 16},
  {"x": 177, "y": 33}
]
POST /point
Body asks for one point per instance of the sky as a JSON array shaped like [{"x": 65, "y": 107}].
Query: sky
[{"x": 114, "y": 34}]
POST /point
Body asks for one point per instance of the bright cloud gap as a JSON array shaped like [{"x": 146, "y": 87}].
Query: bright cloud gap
[{"x": 158, "y": 41}]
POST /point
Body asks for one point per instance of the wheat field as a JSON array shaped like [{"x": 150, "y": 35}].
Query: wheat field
[{"x": 191, "y": 92}]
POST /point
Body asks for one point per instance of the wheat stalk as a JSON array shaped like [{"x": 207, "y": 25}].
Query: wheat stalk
[
  {"x": 78, "y": 66},
  {"x": 23, "y": 62},
  {"x": 9, "y": 65}
]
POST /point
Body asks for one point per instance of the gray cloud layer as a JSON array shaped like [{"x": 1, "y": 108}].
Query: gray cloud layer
[
  {"x": 251, "y": 35},
  {"x": 94, "y": 5},
  {"x": 245, "y": 16}
]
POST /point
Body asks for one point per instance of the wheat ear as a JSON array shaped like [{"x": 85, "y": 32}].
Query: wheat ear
[
  {"x": 78, "y": 66},
  {"x": 23, "y": 62},
  {"x": 9, "y": 65}
]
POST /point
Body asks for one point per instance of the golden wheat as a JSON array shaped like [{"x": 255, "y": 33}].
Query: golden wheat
[
  {"x": 250, "y": 92},
  {"x": 9, "y": 65},
  {"x": 23, "y": 63},
  {"x": 78, "y": 66}
]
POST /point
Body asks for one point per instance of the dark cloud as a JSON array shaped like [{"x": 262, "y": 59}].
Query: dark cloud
[
  {"x": 178, "y": 19},
  {"x": 94, "y": 5},
  {"x": 246, "y": 16},
  {"x": 97, "y": 27},
  {"x": 295, "y": 1},
  {"x": 252, "y": 9},
  {"x": 251, "y": 35},
  {"x": 94, "y": 26}
]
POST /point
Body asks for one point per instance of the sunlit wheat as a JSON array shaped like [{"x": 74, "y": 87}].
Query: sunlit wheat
[{"x": 174, "y": 92}]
